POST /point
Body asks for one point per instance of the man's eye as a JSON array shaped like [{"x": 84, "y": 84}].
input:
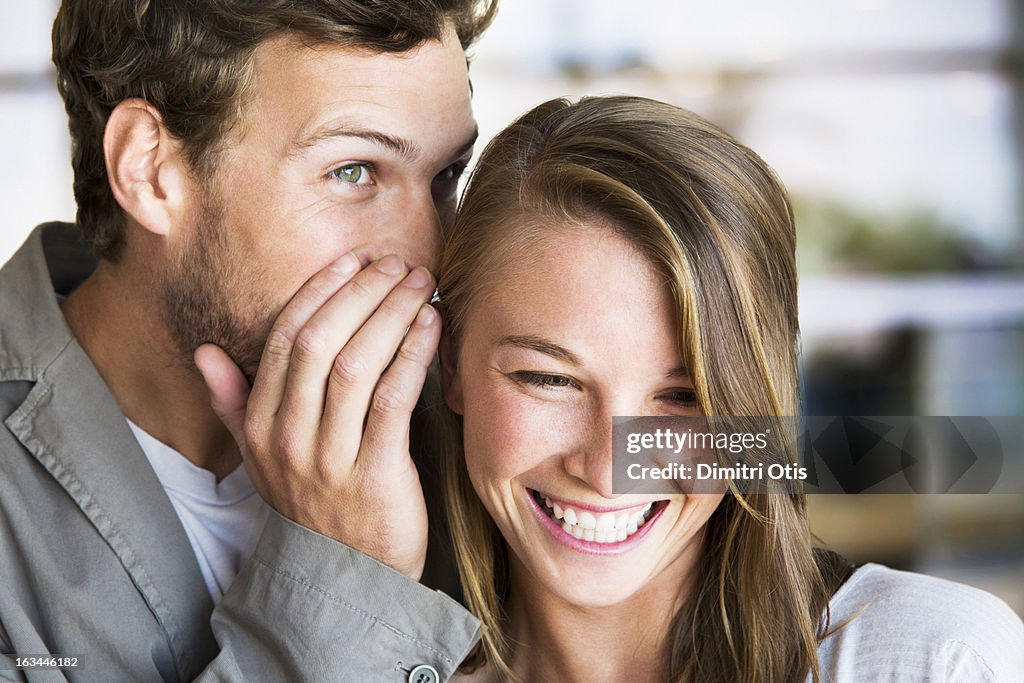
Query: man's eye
[
  {"x": 354, "y": 174},
  {"x": 451, "y": 173}
]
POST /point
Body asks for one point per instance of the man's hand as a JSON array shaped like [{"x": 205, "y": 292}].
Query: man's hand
[{"x": 324, "y": 433}]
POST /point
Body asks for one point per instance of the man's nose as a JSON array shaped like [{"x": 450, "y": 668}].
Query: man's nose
[{"x": 412, "y": 230}]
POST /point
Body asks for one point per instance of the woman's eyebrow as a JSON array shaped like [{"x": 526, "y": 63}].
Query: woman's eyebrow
[
  {"x": 541, "y": 345},
  {"x": 678, "y": 373}
]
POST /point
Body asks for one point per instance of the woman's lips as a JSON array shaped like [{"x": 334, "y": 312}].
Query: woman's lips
[{"x": 586, "y": 529}]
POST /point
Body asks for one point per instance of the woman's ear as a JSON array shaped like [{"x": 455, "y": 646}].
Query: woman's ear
[
  {"x": 146, "y": 168},
  {"x": 451, "y": 383}
]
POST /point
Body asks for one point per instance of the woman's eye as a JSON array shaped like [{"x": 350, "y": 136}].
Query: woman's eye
[
  {"x": 683, "y": 397},
  {"x": 354, "y": 174},
  {"x": 541, "y": 379}
]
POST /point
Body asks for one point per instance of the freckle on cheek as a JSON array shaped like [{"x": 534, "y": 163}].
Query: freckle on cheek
[{"x": 505, "y": 438}]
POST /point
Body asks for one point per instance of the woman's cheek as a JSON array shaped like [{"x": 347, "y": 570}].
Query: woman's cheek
[{"x": 510, "y": 433}]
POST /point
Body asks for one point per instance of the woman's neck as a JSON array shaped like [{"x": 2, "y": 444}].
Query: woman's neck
[{"x": 559, "y": 641}]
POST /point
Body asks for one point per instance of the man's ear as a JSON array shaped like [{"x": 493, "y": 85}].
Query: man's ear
[
  {"x": 146, "y": 169},
  {"x": 451, "y": 382}
]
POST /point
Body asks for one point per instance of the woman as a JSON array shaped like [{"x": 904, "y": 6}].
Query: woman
[{"x": 620, "y": 256}]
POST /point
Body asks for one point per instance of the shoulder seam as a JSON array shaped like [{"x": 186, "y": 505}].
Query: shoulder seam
[{"x": 970, "y": 648}]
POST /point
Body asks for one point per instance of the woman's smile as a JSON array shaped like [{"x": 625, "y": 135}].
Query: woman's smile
[{"x": 592, "y": 529}]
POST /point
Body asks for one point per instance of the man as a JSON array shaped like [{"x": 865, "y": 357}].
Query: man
[{"x": 263, "y": 185}]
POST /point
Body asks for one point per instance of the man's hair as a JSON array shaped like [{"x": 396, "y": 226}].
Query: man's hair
[{"x": 191, "y": 59}]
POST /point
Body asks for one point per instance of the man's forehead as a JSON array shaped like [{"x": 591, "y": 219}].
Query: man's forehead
[
  {"x": 288, "y": 55},
  {"x": 299, "y": 88}
]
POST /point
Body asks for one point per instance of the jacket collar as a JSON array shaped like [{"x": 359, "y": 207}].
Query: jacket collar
[{"x": 73, "y": 426}]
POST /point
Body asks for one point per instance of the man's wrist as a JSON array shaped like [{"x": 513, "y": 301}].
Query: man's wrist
[{"x": 421, "y": 624}]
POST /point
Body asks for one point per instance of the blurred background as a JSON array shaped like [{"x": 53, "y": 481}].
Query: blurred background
[{"x": 898, "y": 127}]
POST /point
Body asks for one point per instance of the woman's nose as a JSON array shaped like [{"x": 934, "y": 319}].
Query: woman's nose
[{"x": 592, "y": 460}]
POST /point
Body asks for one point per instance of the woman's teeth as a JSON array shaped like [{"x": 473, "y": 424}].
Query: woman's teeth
[{"x": 604, "y": 527}]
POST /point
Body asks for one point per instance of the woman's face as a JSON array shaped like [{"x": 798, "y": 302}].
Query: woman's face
[{"x": 578, "y": 328}]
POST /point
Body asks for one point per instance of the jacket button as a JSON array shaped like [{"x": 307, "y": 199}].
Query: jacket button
[{"x": 424, "y": 673}]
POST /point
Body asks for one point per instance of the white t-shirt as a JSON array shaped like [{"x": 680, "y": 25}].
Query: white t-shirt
[
  {"x": 914, "y": 628},
  {"x": 223, "y": 520}
]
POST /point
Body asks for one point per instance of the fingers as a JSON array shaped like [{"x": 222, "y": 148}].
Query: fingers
[
  {"x": 357, "y": 369},
  {"x": 229, "y": 390},
  {"x": 347, "y": 344},
  {"x": 387, "y": 423},
  {"x": 271, "y": 378}
]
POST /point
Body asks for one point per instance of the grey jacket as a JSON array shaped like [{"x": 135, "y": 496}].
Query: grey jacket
[{"x": 94, "y": 563}]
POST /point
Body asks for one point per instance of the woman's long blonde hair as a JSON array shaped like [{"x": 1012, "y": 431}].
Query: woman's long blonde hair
[{"x": 712, "y": 216}]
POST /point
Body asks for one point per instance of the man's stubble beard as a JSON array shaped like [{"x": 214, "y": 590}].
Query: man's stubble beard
[{"x": 200, "y": 295}]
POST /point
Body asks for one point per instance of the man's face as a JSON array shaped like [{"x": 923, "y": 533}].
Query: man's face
[{"x": 336, "y": 150}]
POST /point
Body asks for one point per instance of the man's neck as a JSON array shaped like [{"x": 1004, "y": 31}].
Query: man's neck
[{"x": 156, "y": 387}]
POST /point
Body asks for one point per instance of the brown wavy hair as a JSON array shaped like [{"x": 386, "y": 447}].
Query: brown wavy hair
[
  {"x": 713, "y": 217},
  {"x": 192, "y": 60}
]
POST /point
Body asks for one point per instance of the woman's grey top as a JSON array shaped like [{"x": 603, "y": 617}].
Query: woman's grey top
[{"x": 908, "y": 628}]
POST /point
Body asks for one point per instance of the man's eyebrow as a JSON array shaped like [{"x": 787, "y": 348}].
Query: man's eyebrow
[
  {"x": 541, "y": 345},
  {"x": 400, "y": 146}
]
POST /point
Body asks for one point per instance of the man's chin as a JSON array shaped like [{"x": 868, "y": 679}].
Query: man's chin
[
  {"x": 244, "y": 353},
  {"x": 247, "y": 357},
  {"x": 249, "y": 370}
]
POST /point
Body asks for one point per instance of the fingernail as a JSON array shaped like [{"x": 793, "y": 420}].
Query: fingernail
[
  {"x": 347, "y": 265},
  {"x": 391, "y": 265},
  {"x": 418, "y": 278},
  {"x": 425, "y": 317}
]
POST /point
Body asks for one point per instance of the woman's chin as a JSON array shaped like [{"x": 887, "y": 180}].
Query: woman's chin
[
  {"x": 590, "y": 590},
  {"x": 582, "y": 580}
]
